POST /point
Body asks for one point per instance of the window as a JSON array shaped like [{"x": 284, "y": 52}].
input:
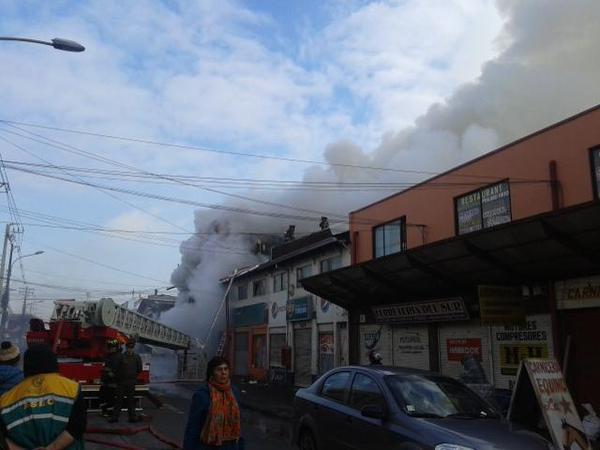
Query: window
[
  {"x": 595, "y": 158},
  {"x": 280, "y": 281},
  {"x": 259, "y": 287},
  {"x": 242, "y": 291},
  {"x": 389, "y": 238},
  {"x": 335, "y": 386},
  {"x": 332, "y": 263},
  {"x": 484, "y": 208},
  {"x": 304, "y": 272},
  {"x": 365, "y": 392}
]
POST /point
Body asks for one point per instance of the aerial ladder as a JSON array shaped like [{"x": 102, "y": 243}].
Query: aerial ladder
[{"x": 79, "y": 331}]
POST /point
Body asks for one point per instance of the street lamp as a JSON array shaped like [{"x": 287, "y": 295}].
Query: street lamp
[
  {"x": 57, "y": 43},
  {"x": 5, "y": 294}
]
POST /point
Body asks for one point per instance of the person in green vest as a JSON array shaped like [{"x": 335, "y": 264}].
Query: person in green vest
[{"x": 45, "y": 410}]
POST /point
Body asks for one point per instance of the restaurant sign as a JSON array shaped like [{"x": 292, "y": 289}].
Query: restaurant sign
[{"x": 439, "y": 310}]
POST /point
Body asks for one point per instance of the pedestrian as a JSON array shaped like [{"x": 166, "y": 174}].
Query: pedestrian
[
  {"x": 108, "y": 381},
  {"x": 127, "y": 368},
  {"x": 214, "y": 417},
  {"x": 10, "y": 374},
  {"x": 45, "y": 410}
]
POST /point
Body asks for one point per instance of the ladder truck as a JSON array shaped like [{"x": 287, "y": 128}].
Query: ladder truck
[{"x": 79, "y": 332}]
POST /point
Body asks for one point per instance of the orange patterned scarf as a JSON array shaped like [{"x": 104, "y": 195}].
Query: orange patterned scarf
[{"x": 223, "y": 418}]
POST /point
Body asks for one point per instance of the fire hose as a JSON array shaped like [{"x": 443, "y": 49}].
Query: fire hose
[{"x": 128, "y": 431}]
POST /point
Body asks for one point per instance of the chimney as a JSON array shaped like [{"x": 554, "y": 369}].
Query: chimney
[
  {"x": 324, "y": 225},
  {"x": 289, "y": 234}
]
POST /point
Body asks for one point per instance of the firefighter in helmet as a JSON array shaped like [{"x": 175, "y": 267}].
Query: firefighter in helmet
[
  {"x": 108, "y": 386},
  {"x": 128, "y": 367}
]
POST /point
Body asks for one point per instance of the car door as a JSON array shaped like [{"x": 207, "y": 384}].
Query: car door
[
  {"x": 331, "y": 410},
  {"x": 367, "y": 433}
]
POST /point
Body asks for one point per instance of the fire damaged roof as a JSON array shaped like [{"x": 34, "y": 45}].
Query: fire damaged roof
[
  {"x": 295, "y": 249},
  {"x": 551, "y": 246}
]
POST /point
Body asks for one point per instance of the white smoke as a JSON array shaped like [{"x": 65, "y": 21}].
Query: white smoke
[{"x": 548, "y": 69}]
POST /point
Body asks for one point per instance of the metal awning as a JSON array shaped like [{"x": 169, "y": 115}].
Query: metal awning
[{"x": 551, "y": 246}]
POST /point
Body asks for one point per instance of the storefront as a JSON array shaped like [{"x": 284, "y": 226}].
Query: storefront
[
  {"x": 250, "y": 347},
  {"x": 300, "y": 315}
]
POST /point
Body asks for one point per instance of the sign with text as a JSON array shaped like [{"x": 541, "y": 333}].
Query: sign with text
[
  {"x": 468, "y": 213},
  {"x": 459, "y": 348},
  {"x": 299, "y": 309},
  {"x": 578, "y": 293},
  {"x": 546, "y": 379},
  {"x": 440, "y": 310},
  {"x": 499, "y": 305},
  {"x": 495, "y": 205}
]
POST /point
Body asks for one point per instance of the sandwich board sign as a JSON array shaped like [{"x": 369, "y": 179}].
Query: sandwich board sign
[{"x": 542, "y": 379}]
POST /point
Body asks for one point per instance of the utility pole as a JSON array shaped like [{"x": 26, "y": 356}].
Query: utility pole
[
  {"x": 3, "y": 296},
  {"x": 26, "y": 291}
]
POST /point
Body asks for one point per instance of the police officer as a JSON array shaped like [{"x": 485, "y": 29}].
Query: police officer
[
  {"x": 127, "y": 368},
  {"x": 108, "y": 386}
]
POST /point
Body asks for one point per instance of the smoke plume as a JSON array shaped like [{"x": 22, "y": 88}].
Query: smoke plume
[{"x": 547, "y": 69}]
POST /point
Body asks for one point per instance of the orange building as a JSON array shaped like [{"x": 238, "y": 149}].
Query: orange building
[{"x": 499, "y": 258}]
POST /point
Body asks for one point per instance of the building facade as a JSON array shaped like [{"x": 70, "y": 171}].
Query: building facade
[
  {"x": 497, "y": 258},
  {"x": 279, "y": 331}
]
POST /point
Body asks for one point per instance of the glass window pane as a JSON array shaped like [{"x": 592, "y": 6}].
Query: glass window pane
[
  {"x": 365, "y": 392},
  {"x": 393, "y": 239},
  {"x": 379, "y": 243},
  {"x": 336, "y": 386}
]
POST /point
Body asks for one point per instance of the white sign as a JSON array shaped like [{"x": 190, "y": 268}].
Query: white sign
[
  {"x": 555, "y": 402},
  {"x": 431, "y": 311},
  {"x": 578, "y": 293}
]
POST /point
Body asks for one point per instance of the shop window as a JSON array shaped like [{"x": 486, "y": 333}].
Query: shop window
[
  {"x": 483, "y": 208},
  {"x": 389, "y": 238},
  {"x": 326, "y": 352},
  {"x": 304, "y": 272},
  {"x": 242, "y": 292},
  {"x": 280, "y": 281},
  {"x": 259, "y": 287},
  {"x": 259, "y": 351},
  {"x": 335, "y": 386},
  {"x": 329, "y": 264},
  {"x": 595, "y": 160},
  {"x": 277, "y": 343},
  {"x": 365, "y": 392}
]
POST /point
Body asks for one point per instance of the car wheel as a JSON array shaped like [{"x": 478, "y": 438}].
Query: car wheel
[{"x": 307, "y": 441}]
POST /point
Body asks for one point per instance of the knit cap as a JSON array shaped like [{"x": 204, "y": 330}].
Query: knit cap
[{"x": 8, "y": 351}]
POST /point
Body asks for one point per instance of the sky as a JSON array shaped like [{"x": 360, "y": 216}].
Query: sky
[{"x": 410, "y": 85}]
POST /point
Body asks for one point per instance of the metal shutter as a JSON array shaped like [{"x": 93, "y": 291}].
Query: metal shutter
[
  {"x": 511, "y": 343},
  {"x": 241, "y": 354},
  {"x": 276, "y": 343},
  {"x": 411, "y": 347},
  {"x": 459, "y": 338},
  {"x": 302, "y": 356}
]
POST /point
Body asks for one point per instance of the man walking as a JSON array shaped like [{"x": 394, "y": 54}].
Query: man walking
[
  {"x": 127, "y": 368},
  {"x": 45, "y": 410}
]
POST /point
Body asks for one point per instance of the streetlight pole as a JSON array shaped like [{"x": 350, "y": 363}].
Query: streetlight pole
[
  {"x": 58, "y": 43},
  {"x": 5, "y": 294}
]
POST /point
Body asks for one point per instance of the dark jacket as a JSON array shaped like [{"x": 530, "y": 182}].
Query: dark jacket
[
  {"x": 128, "y": 367},
  {"x": 109, "y": 374},
  {"x": 196, "y": 419},
  {"x": 10, "y": 376}
]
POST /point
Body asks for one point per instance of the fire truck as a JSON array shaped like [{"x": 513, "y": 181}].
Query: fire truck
[{"x": 79, "y": 331}]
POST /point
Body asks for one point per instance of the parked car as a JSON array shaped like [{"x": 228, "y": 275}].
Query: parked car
[{"x": 389, "y": 408}]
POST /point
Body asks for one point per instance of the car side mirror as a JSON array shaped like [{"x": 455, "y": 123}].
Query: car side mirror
[{"x": 374, "y": 411}]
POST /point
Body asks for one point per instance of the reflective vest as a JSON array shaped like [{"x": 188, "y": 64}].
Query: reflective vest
[{"x": 37, "y": 410}]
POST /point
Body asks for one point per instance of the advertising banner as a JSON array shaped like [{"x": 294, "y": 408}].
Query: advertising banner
[
  {"x": 468, "y": 213},
  {"x": 299, "y": 309},
  {"x": 440, "y": 310},
  {"x": 554, "y": 399},
  {"x": 459, "y": 348},
  {"x": 499, "y": 305},
  {"x": 495, "y": 205},
  {"x": 578, "y": 293}
]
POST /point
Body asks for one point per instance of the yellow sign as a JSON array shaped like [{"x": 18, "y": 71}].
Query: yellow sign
[
  {"x": 501, "y": 305},
  {"x": 512, "y": 355}
]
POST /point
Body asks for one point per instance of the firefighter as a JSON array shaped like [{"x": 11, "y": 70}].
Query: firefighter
[
  {"x": 108, "y": 386},
  {"x": 127, "y": 368}
]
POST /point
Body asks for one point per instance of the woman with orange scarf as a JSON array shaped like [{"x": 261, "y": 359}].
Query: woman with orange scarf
[{"x": 214, "y": 418}]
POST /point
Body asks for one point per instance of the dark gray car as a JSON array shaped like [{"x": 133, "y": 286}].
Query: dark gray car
[{"x": 389, "y": 408}]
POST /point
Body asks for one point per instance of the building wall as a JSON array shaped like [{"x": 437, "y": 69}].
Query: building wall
[{"x": 567, "y": 143}]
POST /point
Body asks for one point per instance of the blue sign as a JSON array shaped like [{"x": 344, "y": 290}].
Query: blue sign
[
  {"x": 249, "y": 316},
  {"x": 299, "y": 309}
]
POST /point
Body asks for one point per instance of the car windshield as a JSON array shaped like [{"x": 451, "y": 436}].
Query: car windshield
[{"x": 436, "y": 397}]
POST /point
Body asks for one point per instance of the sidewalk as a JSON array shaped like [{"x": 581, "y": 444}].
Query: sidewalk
[{"x": 269, "y": 399}]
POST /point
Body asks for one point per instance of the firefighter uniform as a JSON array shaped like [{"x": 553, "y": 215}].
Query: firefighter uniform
[
  {"x": 127, "y": 368},
  {"x": 108, "y": 386}
]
